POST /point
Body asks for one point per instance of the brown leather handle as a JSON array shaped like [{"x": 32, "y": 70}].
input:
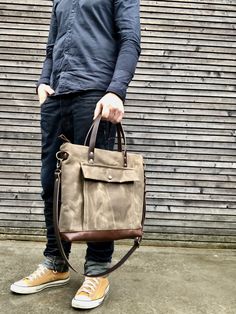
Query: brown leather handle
[{"x": 93, "y": 136}]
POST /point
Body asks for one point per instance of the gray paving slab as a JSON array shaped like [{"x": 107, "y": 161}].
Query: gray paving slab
[{"x": 155, "y": 280}]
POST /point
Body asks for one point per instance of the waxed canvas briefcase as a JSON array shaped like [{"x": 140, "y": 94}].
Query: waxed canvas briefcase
[{"x": 100, "y": 194}]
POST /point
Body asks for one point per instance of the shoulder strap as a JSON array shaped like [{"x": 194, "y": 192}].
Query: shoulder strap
[{"x": 56, "y": 197}]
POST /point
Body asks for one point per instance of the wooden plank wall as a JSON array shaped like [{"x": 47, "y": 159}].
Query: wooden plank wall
[{"x": 180, "y": 113}]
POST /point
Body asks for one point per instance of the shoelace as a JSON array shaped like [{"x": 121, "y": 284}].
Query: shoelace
[
  {"x": 89, "y": 285},
  {"x": 37, "y": 273}
]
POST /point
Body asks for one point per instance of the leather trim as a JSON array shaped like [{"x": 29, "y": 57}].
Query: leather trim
[{"x": 106, "y": 235}]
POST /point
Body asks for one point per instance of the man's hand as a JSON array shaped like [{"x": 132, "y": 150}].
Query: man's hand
[
  {"x": 43, "y": 92},
  {"x": 111, "y": 107}
]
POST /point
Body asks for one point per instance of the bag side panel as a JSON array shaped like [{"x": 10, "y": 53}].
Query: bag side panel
[{"x": 71, "y": 212}]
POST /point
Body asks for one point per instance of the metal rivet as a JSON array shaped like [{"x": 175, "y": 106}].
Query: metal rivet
[
  {"x": 110, "y": 177},
  {"x": 91, "y": 161}
]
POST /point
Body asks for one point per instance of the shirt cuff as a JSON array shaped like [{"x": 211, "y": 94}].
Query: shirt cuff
[{"x": 121, "y": 93}]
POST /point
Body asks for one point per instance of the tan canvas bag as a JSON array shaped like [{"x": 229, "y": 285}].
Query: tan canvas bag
[{"x": 100, "y": 192}]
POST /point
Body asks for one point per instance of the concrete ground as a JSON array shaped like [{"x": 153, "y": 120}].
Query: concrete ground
[{"x": 153, "y": 281}]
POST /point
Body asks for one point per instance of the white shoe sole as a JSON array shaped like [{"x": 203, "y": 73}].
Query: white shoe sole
[
  {"x": 85, "y": 305},
  {"x": 28, "y": 290}
]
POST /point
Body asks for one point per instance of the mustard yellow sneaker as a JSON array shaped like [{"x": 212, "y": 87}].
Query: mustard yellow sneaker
[
  {"x": 92, "y": 293},
  {"x": 41, "y": 279}
]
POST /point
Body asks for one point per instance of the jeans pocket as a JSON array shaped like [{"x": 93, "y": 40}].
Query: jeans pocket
[
  {"x": 49, "y": 114},
  {"x": 45, "y": 101}
]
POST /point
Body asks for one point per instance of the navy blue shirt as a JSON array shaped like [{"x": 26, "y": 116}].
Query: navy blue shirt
[{"x": 92, "y": 44}]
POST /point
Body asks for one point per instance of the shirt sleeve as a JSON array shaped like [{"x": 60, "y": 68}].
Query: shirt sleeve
[
  {"x": 127, "y": 23},
  {"x": 47, "y": 65}
]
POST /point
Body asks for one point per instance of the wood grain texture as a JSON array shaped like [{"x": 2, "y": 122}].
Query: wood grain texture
[{"x": 180, "y": 114}]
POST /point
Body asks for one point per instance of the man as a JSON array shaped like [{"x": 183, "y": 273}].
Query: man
[{"x": 92, "y": 51}]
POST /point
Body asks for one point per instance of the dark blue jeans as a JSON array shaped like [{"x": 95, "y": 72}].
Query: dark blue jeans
[{"x": 71, "y": 115}]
